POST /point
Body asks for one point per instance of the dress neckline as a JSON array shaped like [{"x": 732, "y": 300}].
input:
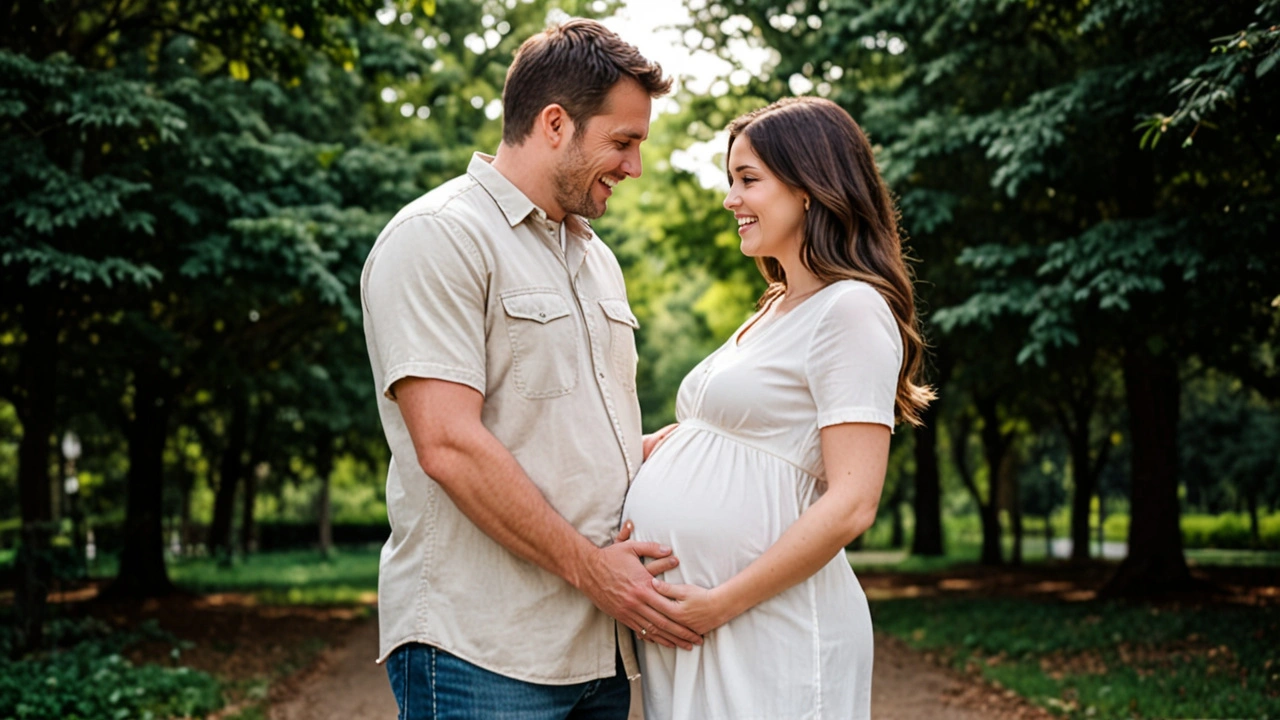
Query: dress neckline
[{"x": 754, "y": 325}]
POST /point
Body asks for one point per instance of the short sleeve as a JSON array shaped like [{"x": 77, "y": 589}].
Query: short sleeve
[
  {"x": 854, "y": 359},
  {"x": 425, "y": 295}
]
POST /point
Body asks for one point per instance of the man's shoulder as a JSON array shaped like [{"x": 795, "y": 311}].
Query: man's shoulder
[
  {"x": 451, "y": 200},
  {"x": 448, "y": 216}
]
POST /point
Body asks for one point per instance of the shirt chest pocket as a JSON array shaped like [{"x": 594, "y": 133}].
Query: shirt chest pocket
[
  {"x": 622, "y": 339},
  {"x": 544, "y": 342}
]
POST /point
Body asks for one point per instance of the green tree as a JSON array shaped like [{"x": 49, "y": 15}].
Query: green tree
[
  {"x": 1146, "y": 272},
  {"x": 99, "y": 108},
  {"x": 196, "y": 186},
  {"x": 1228, "y": 449},
  {"x": 1007, "y": 129}
]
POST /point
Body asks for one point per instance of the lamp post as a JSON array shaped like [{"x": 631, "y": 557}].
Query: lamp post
[{"x": 71, "y": 485}]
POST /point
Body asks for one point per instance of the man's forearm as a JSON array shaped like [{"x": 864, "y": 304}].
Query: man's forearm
[{"x": 488, "y": 485}]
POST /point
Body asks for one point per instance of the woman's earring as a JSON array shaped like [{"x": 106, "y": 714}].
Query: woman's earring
[{"x": 806, "y": 204}]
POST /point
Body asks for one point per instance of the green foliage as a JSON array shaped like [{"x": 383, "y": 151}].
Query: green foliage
[
  {"x": 1223, "y": 81},
  {"x": 1228, "y": 451},
  {"x": 689, "y": 284},
  {"x": 1104, "y": 660},
  {"x": 10, "y": 433},
  {"x": 90, "y": 679},
  {"x": 50, "y": 192}
]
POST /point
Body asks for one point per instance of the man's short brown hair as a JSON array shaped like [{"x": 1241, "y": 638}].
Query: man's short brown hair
[{"x": 573, "y": 65}]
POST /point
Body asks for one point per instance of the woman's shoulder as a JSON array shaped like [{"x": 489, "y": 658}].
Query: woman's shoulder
[
  {"x": 855, "y": 311},
  {"x": 855, "y": 296}
]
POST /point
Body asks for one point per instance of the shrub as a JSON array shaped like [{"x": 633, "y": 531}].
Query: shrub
[
  {"x": 1222, "y": 532},
  {"x": 92, "y": 680},
  {"x": 1228, "y": 531},
  {"x": 1115, "y": 528}
]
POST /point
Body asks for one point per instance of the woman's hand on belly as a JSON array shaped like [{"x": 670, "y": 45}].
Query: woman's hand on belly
[
  {"x": 654, "y": 439},
  {"x": 699, "y": 609}
]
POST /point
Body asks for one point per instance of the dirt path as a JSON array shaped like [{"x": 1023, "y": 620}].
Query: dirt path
[{"x": 347, "y": 685}]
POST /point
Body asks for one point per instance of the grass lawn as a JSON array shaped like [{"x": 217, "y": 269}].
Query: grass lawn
[
  {"x": 1104, "y": 660},
  {"x": 965, "y": 552},
  {"x": 1081, "y": 658},
  {"x": 246, "y": 627},
  {"x": 1234, "y": 558},
  {"x": 347, "y": 576}
]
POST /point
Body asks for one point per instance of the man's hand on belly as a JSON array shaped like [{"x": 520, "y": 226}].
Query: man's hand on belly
[
  {"x": 656, "y": 566},
  {"x": 617, "y": 581}
]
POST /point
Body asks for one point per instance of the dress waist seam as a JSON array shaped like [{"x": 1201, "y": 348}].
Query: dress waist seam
[{"x": 708, "y": 427}]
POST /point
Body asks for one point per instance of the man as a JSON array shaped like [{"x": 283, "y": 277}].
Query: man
[{"x": 503, "y": 350}]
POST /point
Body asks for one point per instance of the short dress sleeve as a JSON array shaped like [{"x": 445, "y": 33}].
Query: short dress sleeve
[{"x": 854, "y": 359}]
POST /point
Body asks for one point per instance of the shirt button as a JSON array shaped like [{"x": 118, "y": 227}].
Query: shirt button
[
  {"x": 601, "y": 376},
  {"x": 542, "y": 315}
]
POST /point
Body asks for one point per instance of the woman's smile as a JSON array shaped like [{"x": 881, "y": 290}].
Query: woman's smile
[{"x": 756, "y": 194}]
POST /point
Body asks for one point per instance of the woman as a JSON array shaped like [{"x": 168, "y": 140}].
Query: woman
[{"x": 779, "y": 456}]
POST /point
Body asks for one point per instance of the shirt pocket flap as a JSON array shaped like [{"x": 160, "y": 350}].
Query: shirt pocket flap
[
  {"x": 619, "y": 311},
  {"x": 541, "y": 307}
]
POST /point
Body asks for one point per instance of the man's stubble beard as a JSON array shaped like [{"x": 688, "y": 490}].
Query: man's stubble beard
[{"x": 574, "y": 182}]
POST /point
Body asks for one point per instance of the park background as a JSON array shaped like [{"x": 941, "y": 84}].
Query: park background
[{"x": 1090, "y": 517}]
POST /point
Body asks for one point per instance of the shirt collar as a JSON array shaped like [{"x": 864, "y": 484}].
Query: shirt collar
[{"x": 515, "y": 205}]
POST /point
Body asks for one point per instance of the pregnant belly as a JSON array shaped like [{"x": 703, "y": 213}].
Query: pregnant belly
[{"x": 717, "y": 502}]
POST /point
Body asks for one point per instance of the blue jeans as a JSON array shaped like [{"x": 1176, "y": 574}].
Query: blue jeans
[{"x": 431, "y": 684}]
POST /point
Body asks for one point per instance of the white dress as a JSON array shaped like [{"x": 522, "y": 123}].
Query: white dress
[{"x": 745, "y": 462}]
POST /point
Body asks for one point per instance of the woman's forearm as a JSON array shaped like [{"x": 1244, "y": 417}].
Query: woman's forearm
[
  {"x": 818, "y": 535},
  {"x": 809, "y": 544},
  {"x": 855, "y": 455}
]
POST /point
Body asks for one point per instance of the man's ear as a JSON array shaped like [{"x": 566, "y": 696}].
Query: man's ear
[{"x": 555, "y": 125}]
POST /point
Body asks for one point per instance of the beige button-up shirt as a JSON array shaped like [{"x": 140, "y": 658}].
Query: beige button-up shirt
[{"x": 469, "y": 283}]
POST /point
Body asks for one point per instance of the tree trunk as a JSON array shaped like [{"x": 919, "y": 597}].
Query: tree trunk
[
  {"x": 898, "y": 538},
  {"x": 1082, "y": 496},
  {"x": 324, "y": 519},
  {"x": 1102, "y": 526},
  {"x": 248, "y": 541},
  {"x": 1155, "y": 563},
  {"x": 186, "y": 483},
  {"x": 992, "y": 553},
  {"x": 1255, "y": 535},
  {"x": 37, "y": 375},
  {"x": 995, "y": 447},
  {"x": 988, "y": 510},
  {"x": 1048, "y": 535},
  {"x": 231, "y": 468},
  {"x": 1086, "y": 468},
  {"x": 927, "y": 540},
  {"x": 257, "y": 456},
  {"x": 1010, "y": 477},
  {"x": 142, "y": 570}
]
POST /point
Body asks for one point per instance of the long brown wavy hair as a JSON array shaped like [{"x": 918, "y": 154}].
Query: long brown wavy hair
[{"x": 851, "y": 228}]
